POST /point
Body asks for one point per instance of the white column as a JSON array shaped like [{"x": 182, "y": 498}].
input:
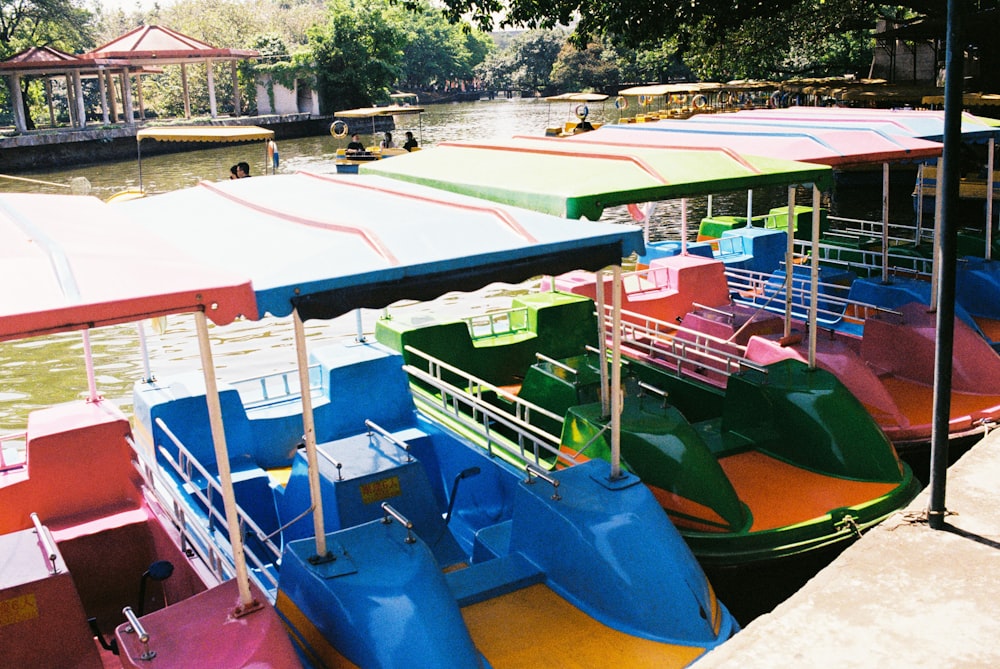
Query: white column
[
  {"x": 15, "y": 93},
  {"x": 187, "y": 96},
  {"x": 127, "y": 110},
  {"x": 102, "y": 86},
  {"x": 236, "y": 89},
  {"x": 211, "y": 89},
  {"x": 81, "y": 108}
]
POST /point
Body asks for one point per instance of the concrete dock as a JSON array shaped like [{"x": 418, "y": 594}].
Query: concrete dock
[{"x": 904, "y": 595}]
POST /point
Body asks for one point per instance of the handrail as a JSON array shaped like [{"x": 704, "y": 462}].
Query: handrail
[
  {"x": 136, "y": 627},
  {"x": 391, "y": 513},
  {"x": 399, "y": 443},
  {"x": 47, "y": 543},
  {"x": 531, "y": 468},
  {"x": 541, "y": 357}
]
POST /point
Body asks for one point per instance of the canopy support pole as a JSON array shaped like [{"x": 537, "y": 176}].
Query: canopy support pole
[
  {"x": 684, "y": 226},
  {"x": 617, "y": 400},
  {"x": 309, "y": 428},
  {"x": 88, "y": 357},
  {"x": 814, "y": 278},
  {"x": 602, "y": 341},
  {"x": 789, "y": 262},
  {"x": 990, "y": 160},
  {"x": 247, "y": 602},
  {"x": 885, "y": 222}
]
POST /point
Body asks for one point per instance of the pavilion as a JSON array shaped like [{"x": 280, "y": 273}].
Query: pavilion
[{"x": 142, "y": 50}]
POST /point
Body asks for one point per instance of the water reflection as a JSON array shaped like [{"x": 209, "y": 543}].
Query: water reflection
[{"x": 39, "y": 372}]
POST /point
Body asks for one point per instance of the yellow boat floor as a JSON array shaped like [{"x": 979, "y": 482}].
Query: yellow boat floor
[{"x": 550, "y": 632}]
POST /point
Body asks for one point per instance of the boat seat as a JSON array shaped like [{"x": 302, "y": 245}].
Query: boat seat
[
  {"x": 492, "y": 542},
  {"x": 486, "y": 580}
]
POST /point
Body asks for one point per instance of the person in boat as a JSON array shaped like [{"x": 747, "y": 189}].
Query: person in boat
[
  {"x": 233, "y": 172},
  {"x": 387, "y": 142},
  {"x": 355, "y": 145},
  {"x": 242, "y": 170},
  {"x": 410, "y": 142}
]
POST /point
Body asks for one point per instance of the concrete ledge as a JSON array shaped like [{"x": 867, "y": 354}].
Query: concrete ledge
[{"x": 903, "y": 596}]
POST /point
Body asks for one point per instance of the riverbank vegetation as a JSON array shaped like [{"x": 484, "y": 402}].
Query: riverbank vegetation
[{"x": 356, "y": 52}]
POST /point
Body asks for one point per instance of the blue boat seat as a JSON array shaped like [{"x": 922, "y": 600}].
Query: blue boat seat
[{"x": 486, "y": 580}]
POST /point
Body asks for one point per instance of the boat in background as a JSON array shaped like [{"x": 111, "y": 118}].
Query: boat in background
[
  {"x": 87, "y": 549},
  {"x": 579, "y": 106},
  {"x": 362, "y": 510},
  {"x": 212, "y": 134},
  {"x": 348, "y": 163}
]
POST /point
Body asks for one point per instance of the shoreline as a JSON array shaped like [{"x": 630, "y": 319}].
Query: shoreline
[{"x": 40, "y": 150}]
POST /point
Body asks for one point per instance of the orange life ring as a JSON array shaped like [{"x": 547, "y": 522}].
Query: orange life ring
[
  {"x": 339, "y": 129},
  {"x": 621, "y": 102},
  {"x": 645, "y": 100}
]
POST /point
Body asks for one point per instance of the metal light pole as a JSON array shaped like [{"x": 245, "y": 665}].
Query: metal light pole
[{"x": 946, "y": 284}]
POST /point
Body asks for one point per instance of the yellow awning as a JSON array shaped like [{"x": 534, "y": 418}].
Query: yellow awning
[{"x": 206, "y": 133}]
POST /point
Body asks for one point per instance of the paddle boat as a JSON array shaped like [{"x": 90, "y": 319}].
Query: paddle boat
[
  {"x": 361, "y": 510},
  {"x": 579, "y": 105},
  {"x": 95, "y": 573},
  {"x": 753, "y": 462},
  {"x": 350, "y": 121},
  {"x": 207, "y": 134}
]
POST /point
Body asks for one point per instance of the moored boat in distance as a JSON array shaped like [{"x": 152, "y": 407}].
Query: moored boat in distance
[
  {"x": 357, "y": 122},
  {"x": 384, "y": 537},
  {"x": 95, "y": 572}
]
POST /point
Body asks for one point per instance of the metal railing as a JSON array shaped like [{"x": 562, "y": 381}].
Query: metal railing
[
  {"x": 508, "y": 429},
  {"x": 277, "y": 387},
  {"x": 688, "y": 352},
  {"x": 508, "y": 321},
  {"x": 199, "y": 534},
  {"x": 768, "y": 291}
]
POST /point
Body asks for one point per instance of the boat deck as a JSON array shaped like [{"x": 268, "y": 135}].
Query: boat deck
[
  {"x": 552, "y": 633},
  {"x": 903, "y": 595},
  {"x": 814, "y": 494}
]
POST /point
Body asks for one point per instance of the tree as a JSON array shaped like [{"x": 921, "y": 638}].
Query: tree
[
  {"x": 358, "y": 53},
  {"x": 438, "y": 51},
  {"x": 592, "y": 69},
  {"x": 534, "y": 54}
]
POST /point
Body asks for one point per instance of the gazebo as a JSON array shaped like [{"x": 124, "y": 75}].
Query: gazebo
[
  {"x": 51, "y": 63},
  {"x": 144, "y": 49}
]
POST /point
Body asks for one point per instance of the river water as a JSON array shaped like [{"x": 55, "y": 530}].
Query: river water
[{"x": 42, "y": 371}]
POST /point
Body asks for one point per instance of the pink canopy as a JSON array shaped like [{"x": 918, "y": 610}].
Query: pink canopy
[
  {"x": 837, "y": 147},
  {"x": 71, "y": 262}
]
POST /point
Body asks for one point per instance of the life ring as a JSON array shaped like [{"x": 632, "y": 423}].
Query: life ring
[
  {"x": 641, "y": 213},
  {"x": 699, "y": 102},
  {"x": 339, "y": 129},
  {"x": 645, "y": 100},
  {"x": 675, "y": 99},
  {"x": 725, "y": 97},
  {"x": 621, "y": 103},
  {"x": 776, "y": 99},
  {"x": 581, "y": 111}
]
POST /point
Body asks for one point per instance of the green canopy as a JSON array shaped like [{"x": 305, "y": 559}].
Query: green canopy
[{"x": 554, "y": 176}]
